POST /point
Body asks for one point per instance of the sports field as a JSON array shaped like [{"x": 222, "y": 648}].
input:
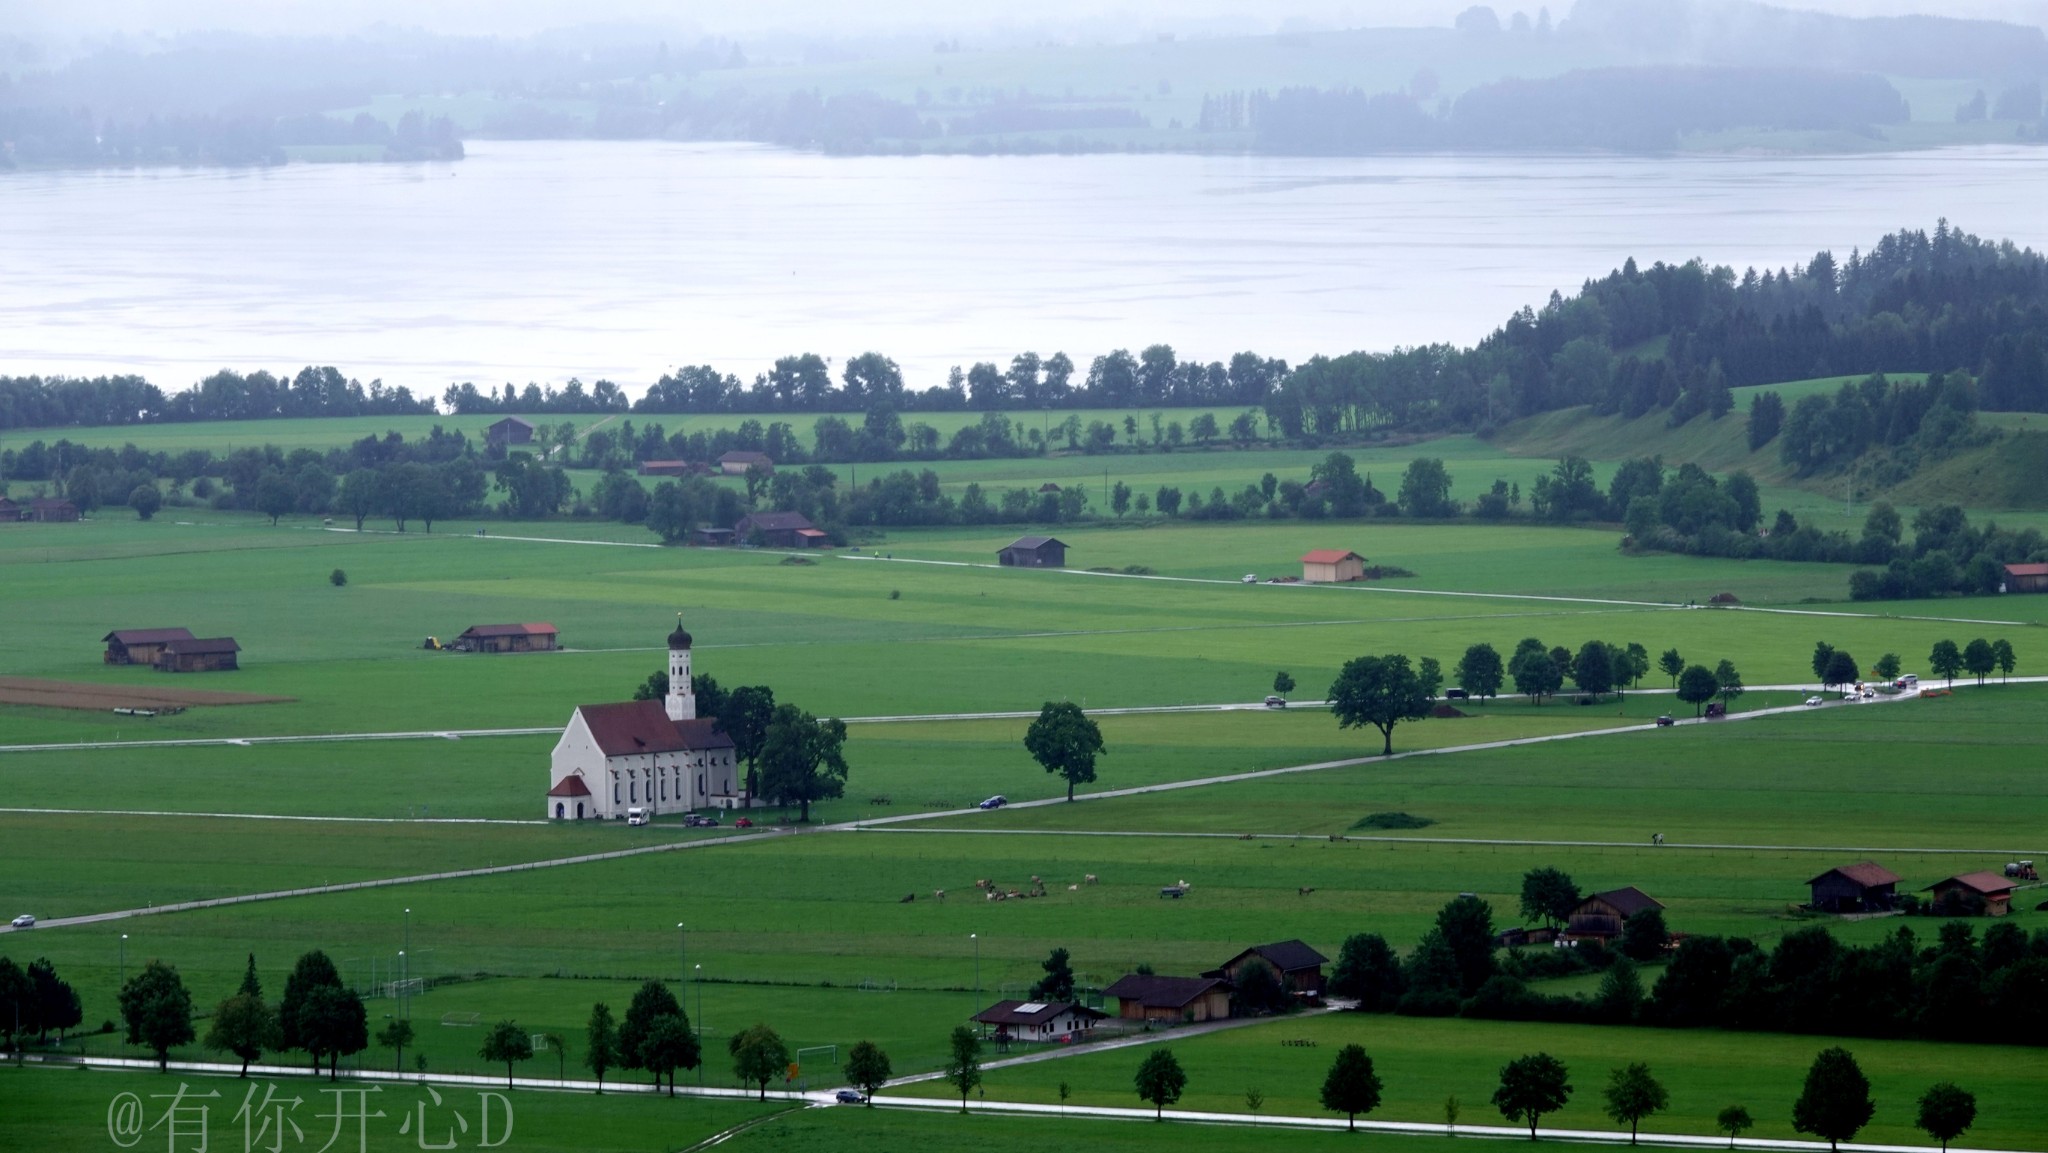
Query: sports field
[{"x": 809, "y": 929}]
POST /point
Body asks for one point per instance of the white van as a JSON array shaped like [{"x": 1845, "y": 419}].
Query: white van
[
  {"x": 1908, "y": 681},
  {"x": 636, "y": 816}
]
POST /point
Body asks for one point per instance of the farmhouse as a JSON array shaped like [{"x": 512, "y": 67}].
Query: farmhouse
[
  {"x": 203, "y": 655},
  {"x": 657, "y": 756},
  {"x": 1039, "y": 1020},
  {"x": 737, "y": 463},
  {"x": 1299, "y": 967},
  {"x": 1172, "y": 999},
  {"x": 508, "y": 431},
  {"x": 44, "y": 510},
  {"x": 1866, "y": 887},
  {"x": 779, "y": 530},
  {"x": 1331, "y": 566},
  {"x": 538, "y": 637},
  {"x": 1600, "y": 916},
  {"x": 9, "y": 510},
  {"x": 140, "y": 646},
  {"x": 1967, "y": 889},
  {"x": 666, "y": 468},
  {"x": 2026, "y": 578},
  {"x": 1034, "y": 552}
]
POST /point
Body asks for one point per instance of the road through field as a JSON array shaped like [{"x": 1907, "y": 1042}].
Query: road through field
[{"x": 888, "y": 823}]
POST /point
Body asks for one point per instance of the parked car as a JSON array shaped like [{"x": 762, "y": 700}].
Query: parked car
[
  {"x": 1907, "y": 681},
  {"x": 1813, "y": 700},
  {"x": 25, "y": 921},
  {"x": 1666, "y": 721},
  {"x": 1276, "y": 702},
  {"x": 1456, "y": 695},
  {"x": 743, "y": 823},
  {"x": 847, "y": 1097},
  {"x": 1250, "y": 578},
  {"x": 995, "y": 802},
  {"x": 700, "y": 821}
]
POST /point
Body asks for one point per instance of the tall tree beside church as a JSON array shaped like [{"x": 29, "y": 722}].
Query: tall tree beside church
[
  {"x": 803, "y": 759},
  {"x": 745, "y": 718}
]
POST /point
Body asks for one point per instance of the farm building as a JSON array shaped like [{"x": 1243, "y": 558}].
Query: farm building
[
  {"x": 1034, "y": 552},
  {"x": 1861, "y": 888},
  {"x": 1600, "y": 916},
  {"x": 667, "y": 468},
  {"x": 537, "y": 637},
  {"x": 712, "y": 536},
  {"x": 508, "y": 431},
  {"x": 9, "y": 510},
  {"x": 44, "y": 510},
  {"x": 737, "y": 463},
  {"x": 140, "y": 646},
  {"x": 1039, "y": 1020},
  {"x": 658, "y": 756},
  {"x": 779, "y": 530},
  {"x": 1047, "y": 487},
  {"x": 1331, "y": 566},
  {"x": 202, "y": 655},
  {"x": 1172, "y": 999},
  {"x": 2026, "y": 578},
  {"x": 1966, "y": 889},
  {"x": 1299, "y": 967}
]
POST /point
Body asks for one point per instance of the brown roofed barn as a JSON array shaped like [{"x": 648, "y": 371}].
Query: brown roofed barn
[
  {"x": 779, "y": 530},
  {"x": 1299, "y": 967},
  {"x": 537, "y": 637},
  {"x": 204, "y": 655},
  {"x": 46, "y": 511},
  {"x": 1146, "y": 998},
  {"x": 1600, "y": 916},
  {"x": 140, "y": 646},
  {"x": 1966, "y": 891},
  {"x": 738, "y": 462},
  {"x": 509, "y": 430},
  {"x": 1331, "y": 566},
  {"x": 1034, "y": 552},
  {"x": 2026, "y": 578},
  {"x": 1866, "y": 887}
]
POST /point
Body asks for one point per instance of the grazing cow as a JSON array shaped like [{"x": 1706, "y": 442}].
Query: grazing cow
[
  {"x": 1656, "y": 838},
  {"x": 938, "y": 894},
  {"x": 982, "y": 884},
  {"x": 1089, "y": 879},
  {"x": 1305, "y": 890},
  {"x": 907, "y": 898},
  {"x": 1073, "y": 888},
  {"x": 992, "y": 895}
]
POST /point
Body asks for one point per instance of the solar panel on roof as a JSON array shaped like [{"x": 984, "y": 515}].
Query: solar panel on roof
[{"x": 1031, "y": 1007}]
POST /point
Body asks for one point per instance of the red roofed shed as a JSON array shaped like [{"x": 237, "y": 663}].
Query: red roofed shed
[
  {"x": 1866, "y": 887},
  {"x": 1332, "y": 566},
  {"x": 2026, "y": 578},
  {"x": 536, "y": 637}
]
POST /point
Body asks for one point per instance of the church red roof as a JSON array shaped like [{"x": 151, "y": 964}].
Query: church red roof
[
  {"x": 570, "y": 786},
  {"x": 631, "y": 728}
]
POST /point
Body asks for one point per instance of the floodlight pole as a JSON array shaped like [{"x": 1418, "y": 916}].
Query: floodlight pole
[
  {"x": 699, "y": 982},
  {"x": 405, "y": 990},
  {"x": 682, "y": 953},
  {"x": 976, "y": 938},
  {"x": 124, "y": 958}
]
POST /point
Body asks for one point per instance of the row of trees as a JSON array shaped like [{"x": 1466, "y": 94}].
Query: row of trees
[
  {"x": 35, "y": 1001},
  {"x": 318, "y": 1015},
  {"x": 1947, "y": 555}
]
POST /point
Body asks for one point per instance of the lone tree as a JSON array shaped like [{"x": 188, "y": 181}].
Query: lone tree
[
  {"x": 963, "y": 1062},
  {"x": 1835, "y": 1103},
  {"x": 1945, "y": 661},
  {"x": 1548, "y": 895},
  {"x": 157, "y": 1010},
  {"x": 1696, "y": 686},
  {"x": 1671, "y": 664},
  {"x": 1531, "y": 1086},
  {"x": 1979, "y": 659},
  {"x": 758, "y": 1055},
  {"x": 1887, "y": 667},
  {"x": 508, "y": 1044},
  {"x": 1633, "y": 1094},
  {"x": 1947, "y": 1111},
  {"x": 803, "y": 759},
  {"x": 1842, "y": 669},
  {"x": 867, "y": 1068},
  {"x": 1160, "y": 1081},
  {"x": 1283, "y": 682},
  {"x": 745, "y": 717},
  {"x": 1058, "y": 982},
  {"x": 1734, "y": 1121},
  {"x": 1066, "y": 742},
  {"x": 145, "y": 500},
  {"x": 1378, "y": 691},
  {"x": 1823, "y": 652},
  {"x": 600, "y": 1043},
  {"x": 1351, "y": 1087},
  {"x": 1729, "y": 682},
  {"x": 396, "y": 1035},
  {"x": 1480, "y": 671}
]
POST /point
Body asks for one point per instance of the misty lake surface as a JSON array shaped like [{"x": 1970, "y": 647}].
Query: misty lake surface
[{"x": 546, "y": 260}]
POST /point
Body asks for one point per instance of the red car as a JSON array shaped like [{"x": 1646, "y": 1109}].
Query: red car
[{"x": 743, "y": 823}]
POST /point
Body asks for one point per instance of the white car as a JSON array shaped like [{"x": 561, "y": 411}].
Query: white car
[
  {"x": 1813, "y": 700},
  {"x": 1250, "y": 578},
  {"x": 25, "y": 921}
]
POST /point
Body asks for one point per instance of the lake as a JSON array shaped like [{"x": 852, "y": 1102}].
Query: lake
[{"x": 545, "y": 260}]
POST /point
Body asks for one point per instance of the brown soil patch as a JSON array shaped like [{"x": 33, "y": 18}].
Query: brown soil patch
[
  {"x": 1445, "y": 712},
  {"x": 79, "y": 695}
]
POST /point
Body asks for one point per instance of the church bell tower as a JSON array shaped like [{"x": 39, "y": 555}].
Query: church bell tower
[{"x": 681, "y": 702}]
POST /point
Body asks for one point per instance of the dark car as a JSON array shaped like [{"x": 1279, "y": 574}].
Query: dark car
[
  {"x": 1666, "y": 721},
  {"x": 699, "y": 821},
  {"x": 995, "y": 802},
  {"x": 1276, "y": 702},
  {"x": 847, "y": 1097},
  {"x": 1456, "y": 694}
]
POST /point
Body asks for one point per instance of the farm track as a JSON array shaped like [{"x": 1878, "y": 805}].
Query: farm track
[{"x": 878, "y": 824}]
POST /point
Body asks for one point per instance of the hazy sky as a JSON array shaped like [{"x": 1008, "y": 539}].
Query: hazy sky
[{"x": 1091, "y": 18}]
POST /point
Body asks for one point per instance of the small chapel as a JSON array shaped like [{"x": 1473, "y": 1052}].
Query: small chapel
[{"x": 655, "y": 756}]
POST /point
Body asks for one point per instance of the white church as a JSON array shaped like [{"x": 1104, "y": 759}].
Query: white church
[{"x": 655, "y": 756}]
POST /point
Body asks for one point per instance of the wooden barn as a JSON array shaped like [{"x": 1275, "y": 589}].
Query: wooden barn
[
  {"x": 45, "y": 510},
  {"x": 2026, "y": 578},
  {"x": 1966, "y": 889},
  {"x": 509, "y": 431},
  {"x": 711, "y": 536},
  {"x": 202, "y": 655},
  {"x": 10, "y": 510},
  {"x": 1034, "y": 552},
  {"x": 140, "y": 646},
  {"x": 1171, "y": 999},
  {"x": 667, "y": 468},
  {"x": 1331, "y": 566},
  {"x": 779, "y": 530},
  {"x": 1299, "y": 967},
  {"x": 537, "y": 637},
  {"x": 1600, "y": 916},
  {"x": 1866, "y": 887},
  {"x": 737, "y": 463}
]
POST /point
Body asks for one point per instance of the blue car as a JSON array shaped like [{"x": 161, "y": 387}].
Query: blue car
[
  {"x": 847, "y": 1096},
  {"x": 995, "y": 802}
]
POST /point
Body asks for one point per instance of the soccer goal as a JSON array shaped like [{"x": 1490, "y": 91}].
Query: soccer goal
[
  {"x": 830, "y": 1052},
  {"x": 540, "y": 1042},
  {"x": 412, "y": 987},
  {"x": 461, "y": 1020},
  {"x": 877, "y": 985}
]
